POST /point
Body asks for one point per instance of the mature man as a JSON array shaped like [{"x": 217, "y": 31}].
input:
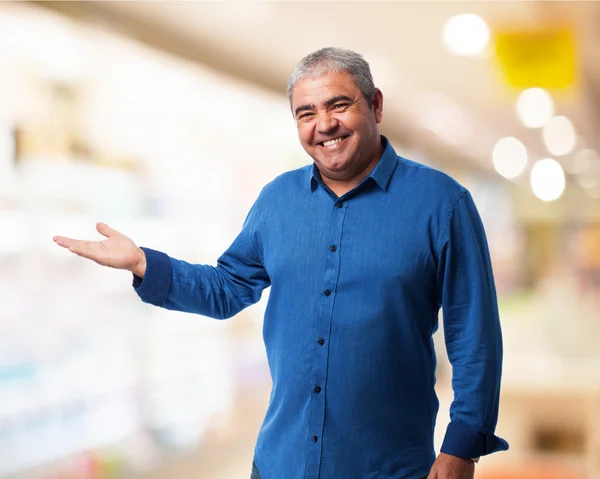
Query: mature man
[{"x": 361, "y": 249}]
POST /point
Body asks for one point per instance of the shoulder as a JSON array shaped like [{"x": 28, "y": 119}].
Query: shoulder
[
  {"x": 430, "y": 182},
  {"x": 428, "y": 176},
  {"x": 289, "y": 181}
]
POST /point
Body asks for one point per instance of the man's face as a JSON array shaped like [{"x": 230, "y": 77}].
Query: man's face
[{"x": 337, "y": 125}]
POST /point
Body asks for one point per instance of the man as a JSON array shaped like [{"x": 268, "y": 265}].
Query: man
[{"x": 360, "y": 250}]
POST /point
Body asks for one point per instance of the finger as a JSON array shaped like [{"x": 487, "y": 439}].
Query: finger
[
  {"x": 64, "y": 241},
  {"x": 106, "y": 230}
]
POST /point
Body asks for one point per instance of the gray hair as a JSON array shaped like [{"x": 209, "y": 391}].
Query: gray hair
[{"x": 333, "y": 59}]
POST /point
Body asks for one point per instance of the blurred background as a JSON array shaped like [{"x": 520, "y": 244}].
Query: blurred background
[{"x": 165, "y": 119}]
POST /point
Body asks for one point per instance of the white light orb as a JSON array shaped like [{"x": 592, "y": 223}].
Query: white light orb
[
  {"x": 547, "y": 179},
  {"x": 465, "y": 34},
  {"x": 509, "y": 157},
  {"x": 559, "y": 136},
  {"x": 535, "y": 107}
]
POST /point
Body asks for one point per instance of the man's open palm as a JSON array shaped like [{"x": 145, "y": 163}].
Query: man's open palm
[{"x": 117, "y": 251}]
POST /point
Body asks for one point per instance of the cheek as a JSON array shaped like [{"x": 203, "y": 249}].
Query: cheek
[
  {"x": 350, "y": 121},
  {"x": 305, "y": 134}
]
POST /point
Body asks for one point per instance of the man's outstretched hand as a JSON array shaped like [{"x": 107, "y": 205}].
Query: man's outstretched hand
[{"x": 117, "y": 251}]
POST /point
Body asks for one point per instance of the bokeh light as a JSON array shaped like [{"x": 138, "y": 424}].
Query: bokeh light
[
  {"x": 535, "y": 107},
  {"x": 509, "y": 157},
  {"x": 559, "y": 135},
  {"x": 547, "y": 179},
  {"x": 466, "y": 34}
]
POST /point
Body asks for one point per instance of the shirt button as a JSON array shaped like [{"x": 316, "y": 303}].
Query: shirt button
[
  {"x": 321, "y": 341},
  {"x": 317, "y": 389},
  {"x": 332, "y": 248},
  {"x": 315, "y": 439},
  {"x": 327, "y": 292},
  {"x": 340, "y": 205}
]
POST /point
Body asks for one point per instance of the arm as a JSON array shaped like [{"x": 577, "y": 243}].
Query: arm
[
  {"x": 218, "y": 292},
  {"x": 467, "y": 294}
]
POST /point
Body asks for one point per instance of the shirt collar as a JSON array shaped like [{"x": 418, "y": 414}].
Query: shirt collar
[{"x": 381, "y": 174}]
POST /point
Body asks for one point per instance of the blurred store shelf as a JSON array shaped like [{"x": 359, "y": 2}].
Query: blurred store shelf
[
  {"x": 227, "y": 450},
  {"x": 103, "y": 117}
]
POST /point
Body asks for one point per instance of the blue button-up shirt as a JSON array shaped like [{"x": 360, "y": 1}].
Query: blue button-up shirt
[{"x": 357, "y": 283}]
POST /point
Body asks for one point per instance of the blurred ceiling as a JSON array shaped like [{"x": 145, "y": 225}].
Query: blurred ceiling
[{"x": 263, "y": 41}]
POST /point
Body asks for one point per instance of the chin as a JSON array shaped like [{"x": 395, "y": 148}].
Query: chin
[{"x": 334, "y": 164}]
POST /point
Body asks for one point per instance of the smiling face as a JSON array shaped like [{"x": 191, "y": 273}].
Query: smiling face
[{"x": 337, "y": 125}]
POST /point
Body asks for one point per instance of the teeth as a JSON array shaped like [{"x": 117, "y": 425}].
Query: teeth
[{"x": 332, "y": 142}]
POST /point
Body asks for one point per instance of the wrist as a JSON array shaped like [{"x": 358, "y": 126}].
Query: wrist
[
  {"x": 140, "y": 268},
  {"x": 454, "y": 458}
]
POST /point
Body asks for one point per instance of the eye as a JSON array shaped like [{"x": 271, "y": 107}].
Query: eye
[
  {"x": 305, "y": 116},
  {"x": 339, "y": 106}
]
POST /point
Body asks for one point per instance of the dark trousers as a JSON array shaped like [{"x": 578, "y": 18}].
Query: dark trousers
[{"x": 256, "y": 474}]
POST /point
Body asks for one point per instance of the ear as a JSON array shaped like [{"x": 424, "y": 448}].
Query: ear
[{"x": 377, "y": 105}]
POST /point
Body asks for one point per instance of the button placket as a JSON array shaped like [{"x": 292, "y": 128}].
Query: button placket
[{"x": 323, "y": 322}]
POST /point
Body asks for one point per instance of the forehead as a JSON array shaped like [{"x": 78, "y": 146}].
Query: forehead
[{"x": 320, "y": 89}]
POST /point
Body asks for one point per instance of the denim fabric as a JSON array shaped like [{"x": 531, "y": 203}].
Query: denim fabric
[{"x": 356, "y": 286}]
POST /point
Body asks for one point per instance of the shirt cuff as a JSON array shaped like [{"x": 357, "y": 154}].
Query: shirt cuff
[
  {"x": 154, "y": 287},
  {"x": 467, "y": 441}
]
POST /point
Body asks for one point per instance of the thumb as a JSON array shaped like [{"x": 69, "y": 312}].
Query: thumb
[{"x": 106, "y": 230}]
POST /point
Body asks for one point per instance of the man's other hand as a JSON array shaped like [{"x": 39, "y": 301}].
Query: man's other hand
[{"x": 452, "y": 467}]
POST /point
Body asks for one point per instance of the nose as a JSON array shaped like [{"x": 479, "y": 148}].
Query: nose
[{"x": 326, "y": 123}]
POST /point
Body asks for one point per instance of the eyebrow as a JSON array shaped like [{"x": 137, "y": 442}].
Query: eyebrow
[{"x": 328, "y": 103}]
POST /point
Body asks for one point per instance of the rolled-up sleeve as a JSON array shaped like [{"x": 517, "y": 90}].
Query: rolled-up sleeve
[{"x": 467, "y": 294}]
